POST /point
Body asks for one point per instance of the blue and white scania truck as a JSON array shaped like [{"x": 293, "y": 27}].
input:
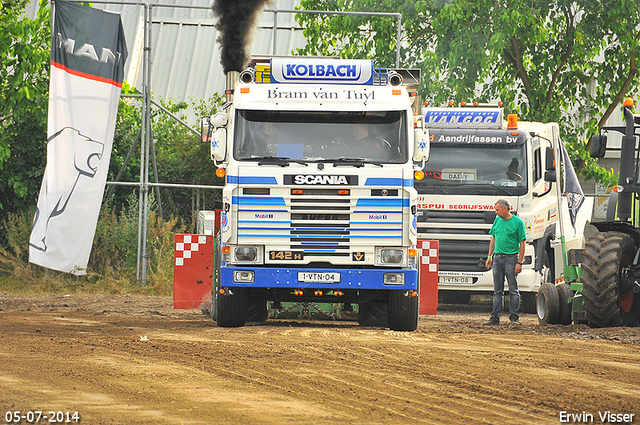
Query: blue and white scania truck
[{"x": 319, "y": 202}]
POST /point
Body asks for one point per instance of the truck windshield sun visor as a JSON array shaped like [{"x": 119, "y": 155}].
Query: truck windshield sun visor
[{"x": 344, "y": 138}]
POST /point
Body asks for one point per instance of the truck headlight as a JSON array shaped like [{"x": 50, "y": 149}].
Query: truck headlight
[
  {"x": 393, "y": 279},
  {"x": 391, "y": 256},
  {"x": 243, "y": 276},
  {"x": 246, "y": 253}
]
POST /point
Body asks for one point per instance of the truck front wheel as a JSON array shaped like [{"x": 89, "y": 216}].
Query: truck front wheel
[
  {"x": 604, "y": 257},
  {"x": 232, "y": 308},
  {"x": 402, "y": 311}
]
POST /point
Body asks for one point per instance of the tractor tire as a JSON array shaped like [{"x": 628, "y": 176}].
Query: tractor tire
[
  {"x": 528, "y": 302},
  {"x": 605, "y": 254},
  {"x": 257, "y": 310},
  {"x": 373, "y": 313},
  {"x": 232, "y": 308},
  {"x": 547, "y": 304},
  {"x": 565, "y": 294},
  {"x": 402, "y": 311}
]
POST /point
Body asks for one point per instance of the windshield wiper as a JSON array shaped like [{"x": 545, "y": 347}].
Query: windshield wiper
[
  {"x": 508, "y": 192},
  {"x": 428, "y": 188},
  {"x": 277, "y": 160},
  {"x": 439, "y": 188},
  {"x": 355, "y": 162}
]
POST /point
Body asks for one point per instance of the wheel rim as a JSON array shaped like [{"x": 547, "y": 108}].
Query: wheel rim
[
  {"x": 626, "y": 301},
  {"x": 541, "y": 305}
]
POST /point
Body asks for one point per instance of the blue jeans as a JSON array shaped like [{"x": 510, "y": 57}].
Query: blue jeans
[{"x": 505, "y": 267}]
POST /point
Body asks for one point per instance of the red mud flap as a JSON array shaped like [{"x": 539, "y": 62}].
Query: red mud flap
[
  {"x": 193, "y": 271},
  {"x": 429, "y": 251}
]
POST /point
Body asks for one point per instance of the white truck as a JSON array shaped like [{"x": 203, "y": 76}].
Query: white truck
[
  {"x": 476, "y": 158},
  {"x": 313, "y": 212}
]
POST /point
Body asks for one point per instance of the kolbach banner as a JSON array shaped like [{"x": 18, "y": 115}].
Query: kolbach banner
[{"x": 88, "y": 52}]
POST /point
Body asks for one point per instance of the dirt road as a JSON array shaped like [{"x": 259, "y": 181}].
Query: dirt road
[{"x": 135, "y": 360}]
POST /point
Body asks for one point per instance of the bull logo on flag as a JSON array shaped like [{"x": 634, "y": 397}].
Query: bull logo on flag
[{"x": 83, "y": 159}]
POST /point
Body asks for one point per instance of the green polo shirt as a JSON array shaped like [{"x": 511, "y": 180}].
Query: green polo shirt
[{"x": 508, "y": 234}]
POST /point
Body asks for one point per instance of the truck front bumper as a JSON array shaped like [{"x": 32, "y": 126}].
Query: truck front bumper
[
  {"x": 528, "y": 281},
  {"x": 292, "y": 277}
]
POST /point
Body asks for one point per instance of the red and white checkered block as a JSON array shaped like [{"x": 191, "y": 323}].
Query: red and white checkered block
[
  {"x": 429, "y": 255},
  {"x": 193, "y": 271},
  {"x": 189, "y": 245}
]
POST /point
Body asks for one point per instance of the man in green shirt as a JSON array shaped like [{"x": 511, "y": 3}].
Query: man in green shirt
[{"x": 506, "y": 253}]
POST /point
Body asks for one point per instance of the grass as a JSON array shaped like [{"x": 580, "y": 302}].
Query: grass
[{"x": 112, "y": 264}]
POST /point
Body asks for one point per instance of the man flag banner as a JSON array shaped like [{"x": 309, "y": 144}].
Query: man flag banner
[
  {"x": 88, "y": 52},
  {"x": 572, "y": 188}
]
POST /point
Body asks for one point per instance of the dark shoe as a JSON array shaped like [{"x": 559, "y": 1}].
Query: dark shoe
[
  {"x": 492, "y": 322},
  {"x": 514, "y": 320}
]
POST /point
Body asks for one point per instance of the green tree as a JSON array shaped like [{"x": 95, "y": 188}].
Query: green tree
[
  {"x": 180, "y": 156},
  {"x": 24, "y": 85},
  {"x": 565, "y": 61}
]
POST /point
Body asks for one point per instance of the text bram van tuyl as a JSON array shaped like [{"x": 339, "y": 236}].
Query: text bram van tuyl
[{"x": 600, "y": 417}]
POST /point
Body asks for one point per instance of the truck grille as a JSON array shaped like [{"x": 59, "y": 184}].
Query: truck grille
[
  {"x": 463, "y": 256},
  {"x": 457, "y": 254},
  {"x": 320, "y": 222}
]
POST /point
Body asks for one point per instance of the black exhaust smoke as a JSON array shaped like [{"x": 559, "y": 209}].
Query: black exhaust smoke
[{"x": 236, "y": 20}]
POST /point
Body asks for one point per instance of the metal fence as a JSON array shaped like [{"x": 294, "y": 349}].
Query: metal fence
[{"x": 147, "y": 156}]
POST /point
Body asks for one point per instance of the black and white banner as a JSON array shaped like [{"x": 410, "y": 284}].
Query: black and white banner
[
  {"x": 572, "y": 189},
  {"x": 88, "y": 52}
]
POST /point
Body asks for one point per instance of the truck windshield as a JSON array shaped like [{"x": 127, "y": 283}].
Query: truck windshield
[
  {"x": 460, "y": 165},
  {"x": 378, "y": 136}
]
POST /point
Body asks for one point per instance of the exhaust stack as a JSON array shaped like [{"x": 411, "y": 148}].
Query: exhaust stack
[{"x": 232, "y": 79}]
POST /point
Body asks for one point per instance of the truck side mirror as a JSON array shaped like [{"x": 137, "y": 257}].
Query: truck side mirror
[
  {"x": 213, "y": 131},
  {"x": 598, "y": 145},
  {"x": 219, "y": 144},
  {"x": 421, "y": 144},
  {"x": 550, "y": 159},
  {"x": 550, "y": 165},
  {"x": 205, "y": 130}
]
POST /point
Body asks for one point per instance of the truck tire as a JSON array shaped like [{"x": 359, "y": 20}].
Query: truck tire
[
  {"x": 528, "y": 302},
  {"x": 565, "y": 294},
  {"x": 402, "y": 311},
  {"x": 232, "y": 308},
  {"x": 547, "y": 304},
  {"x": 373, "y": 313},
  {"x": 257, "y": 310},
  {"x": 605, "y": 254}
]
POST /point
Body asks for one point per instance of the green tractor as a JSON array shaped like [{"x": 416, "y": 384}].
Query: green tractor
[{"x": 602, "y": 282}]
